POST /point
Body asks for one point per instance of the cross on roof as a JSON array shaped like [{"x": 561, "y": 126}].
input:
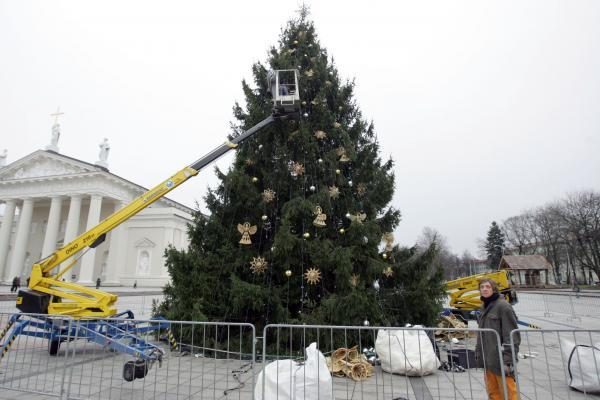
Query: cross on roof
[{"x": 56, "y": 115}]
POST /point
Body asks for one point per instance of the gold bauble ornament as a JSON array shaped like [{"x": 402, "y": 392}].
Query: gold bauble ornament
[
  {"x": 264, "y": 217},
  {"x": 342, "y": 231},
  {"x": 384, "y": 255},
  {"x": 337, "y": 171},
  {"x": 254, "y": 179},
  {"x": 288, "y": 273},
  {"x": 306, "y": 235},
  {"x": 337, "y": 125}
]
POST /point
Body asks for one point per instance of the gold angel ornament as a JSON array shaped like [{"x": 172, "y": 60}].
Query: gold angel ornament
[
  {"x": 358, "y": 217},
  {"x": 388, "y": 238},
  {"x": 319, "y": 221},
  {"x": 246, "y": 230}
]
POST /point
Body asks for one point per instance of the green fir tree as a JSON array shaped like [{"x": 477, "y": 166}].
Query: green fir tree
[
  {"x": 494, "y": 245},
  {"x": 318, "y": 194}
]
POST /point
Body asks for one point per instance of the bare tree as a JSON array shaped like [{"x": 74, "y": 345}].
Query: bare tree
[
  {"x": 580, "y": 219},
  {"x": 520, "y": 233}
]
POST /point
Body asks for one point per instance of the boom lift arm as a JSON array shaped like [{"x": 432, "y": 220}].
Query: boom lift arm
[{"x": 48, "y": 291}]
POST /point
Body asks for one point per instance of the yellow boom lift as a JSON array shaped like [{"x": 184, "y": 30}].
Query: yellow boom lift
[{"x": 48, "y": 294}]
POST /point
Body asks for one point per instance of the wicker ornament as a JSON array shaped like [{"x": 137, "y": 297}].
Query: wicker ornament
[
  {"x": 312, "y": 276},
  {"x": 388, "y": 272},
  {"x": 354, "y": 279},
  {"x": 258, "y": 265},
  {"x": 358, "y": 217},
  {"x": 334, "y": 192},
  {"x": 296, "y": 169},
  {"x": 361, "y": 189},
  {"x": 320, "y": 135},
  {"x": 249, "y": 162},
  {"x": 246, "y": 230},
  {"x": 268, "y": 195},
  {"x": 388, "y": 238},
  {"x": 319, "y": 221},
  {"x": 348, "y": 362}
]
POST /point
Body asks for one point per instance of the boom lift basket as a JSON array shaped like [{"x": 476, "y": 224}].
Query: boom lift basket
[{"x": 283, "y": 86}]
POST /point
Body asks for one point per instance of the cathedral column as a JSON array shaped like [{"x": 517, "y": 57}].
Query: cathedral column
[
  {"x": 88, "y": 260},
  {"x": 116, "y": 251},
  {"x": 5, "y": 231},
  {"x": 18, "y": 254},
  {"x": 72, "y": 227},
  {"x": 52, "y": 227}
]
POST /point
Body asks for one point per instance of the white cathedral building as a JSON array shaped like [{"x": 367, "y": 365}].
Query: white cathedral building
[{"x": 47, "y": 199}]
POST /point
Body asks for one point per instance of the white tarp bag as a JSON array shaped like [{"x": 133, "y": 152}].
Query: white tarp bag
[
  {"x": 583, "y": 366},
  {"x": 406, "y": 352},
  {"x": 291, "y": 380}
]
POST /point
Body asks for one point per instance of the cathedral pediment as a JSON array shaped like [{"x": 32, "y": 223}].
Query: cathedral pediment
[{"x": 42, "y": 164}]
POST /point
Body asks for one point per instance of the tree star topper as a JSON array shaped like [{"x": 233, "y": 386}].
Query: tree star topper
[
  {"x": 246, "y": 230},
  {"x": 258, "y": 265},
  {"x": 312, "y": 276}
]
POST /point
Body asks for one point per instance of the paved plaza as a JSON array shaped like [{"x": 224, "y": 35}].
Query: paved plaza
[{"x": 91, "y": 372}]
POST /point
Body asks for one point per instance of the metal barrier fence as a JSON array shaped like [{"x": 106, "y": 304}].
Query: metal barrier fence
[
  {"x": 413, "y": 353},
  {"x": 121, "y": 358},
  {"x": 571, "y": 306},
  {"x": 550, "y": 362}
]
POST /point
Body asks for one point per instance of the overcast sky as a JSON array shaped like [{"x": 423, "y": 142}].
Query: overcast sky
[{"x": 487, "y": 107}]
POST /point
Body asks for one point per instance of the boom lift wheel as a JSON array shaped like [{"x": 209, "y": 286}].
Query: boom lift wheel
[
  {"x": 135, "y": 370},
  {"x": 53, "y": 346}
]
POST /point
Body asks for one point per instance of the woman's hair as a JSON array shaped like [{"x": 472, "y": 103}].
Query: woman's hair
[{"x": 492, "y": 283}]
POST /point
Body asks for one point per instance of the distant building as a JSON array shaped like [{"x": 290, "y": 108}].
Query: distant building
[
  {"x": 527, "y": 270},
  {"x": 47, "y": 199}
]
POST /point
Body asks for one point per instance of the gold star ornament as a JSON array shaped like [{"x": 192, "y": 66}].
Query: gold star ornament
[
  {"x": 334, "y": 192},
  {"x": 258, "y": 265},
  {"x": 268, "y": 195},
  {"x": 312, "y": 276},
  {"x": 320, "y": 135}
]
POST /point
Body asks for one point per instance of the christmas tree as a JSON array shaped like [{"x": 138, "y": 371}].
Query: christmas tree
[{"x": 295, "y": 227}]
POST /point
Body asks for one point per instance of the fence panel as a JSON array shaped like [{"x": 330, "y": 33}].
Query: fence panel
[
  {"x": 162, "y": 359},
  {"x": 407, "y": 350},
  {"x": 546, "y": 363},
  {"x": 29, "y": 357}
]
